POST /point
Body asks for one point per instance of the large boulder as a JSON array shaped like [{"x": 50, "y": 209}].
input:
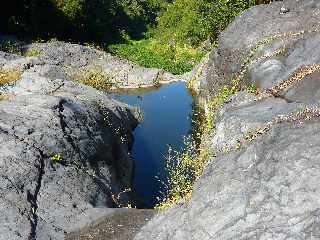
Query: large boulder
[
  {"x": 261, "y": 182},
  {"x": 64, "y": 152},
  {"x": 266, "y": 44},
  {"x": 267, "y": 190}
]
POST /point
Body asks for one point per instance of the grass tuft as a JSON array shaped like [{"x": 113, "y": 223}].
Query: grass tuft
[
  {"x": 94, "y": 77},
  {"x": 9, "y": 75},
  {"x": 183, "y": 169},
  {"x": 32, "y": 53}
]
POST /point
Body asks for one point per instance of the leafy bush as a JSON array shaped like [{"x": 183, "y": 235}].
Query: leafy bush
[
  {"x": 79, "y": 20},
  {"x": 151, "y": 53},
  {"x": 193, "y": 21}
]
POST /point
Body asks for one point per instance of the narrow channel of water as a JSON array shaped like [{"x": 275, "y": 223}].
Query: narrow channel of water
[{"x": 166, "y": 120}]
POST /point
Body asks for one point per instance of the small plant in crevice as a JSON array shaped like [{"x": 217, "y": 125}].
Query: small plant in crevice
[
  {"x": 251, "y": 88},
  {"x": 183, "y": 168},
  {"x": 117, "y": 199},
  {"x": 4, "y": 96},
  {"x": 299, "y": 115},
  {"x": 118, "y": 130},
  {"x": 216, "y": 102},
  {"x": 56, "y": 157}
]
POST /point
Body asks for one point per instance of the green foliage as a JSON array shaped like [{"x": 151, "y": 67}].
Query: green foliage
[
  {"x": 183, "y": 169},
  {"x": 56, "y": 157},
  {"x": 72, "y": 9},
  {"x": 94, "y": 77},
  {"x": 252, "y": 88},
  {"x": 10, "y": 47},
  {"x": 80, "y": 20},
  {"x": 152, "y": 53},
  {"x": 217, "y": 101},
  {"x": 193, "y": 21},
  {"x": 32, "y": 53}
]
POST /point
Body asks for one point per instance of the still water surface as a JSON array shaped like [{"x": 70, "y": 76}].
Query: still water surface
[{"x": 166, "y": 120}]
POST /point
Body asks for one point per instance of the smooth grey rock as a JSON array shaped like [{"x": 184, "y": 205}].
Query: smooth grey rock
[
  {"x": 237, "y": 121},
  {"x": 299, "y": 53},
  {"x": 267, "y": 190},
  {"x": 123, "y": 224},
  {"x": 265, "y": 74},
  {"x": 261, "y": 22},
  {"x": 306, "y": 91},
  {"x": 47, "y": 115}
]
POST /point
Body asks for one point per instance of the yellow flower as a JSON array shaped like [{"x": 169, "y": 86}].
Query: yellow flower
[{"x": 56, "y": 157}]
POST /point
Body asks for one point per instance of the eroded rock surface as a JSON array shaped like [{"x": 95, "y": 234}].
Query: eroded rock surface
[{"x": 64, "y": 150}]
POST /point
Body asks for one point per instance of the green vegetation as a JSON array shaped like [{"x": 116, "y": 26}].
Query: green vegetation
[
  {"x": 172, "y": 35},
  {"x": 186, "y": 166},
  {"x": 56, "y": 157},
  {"x": 194, "y": 21},
  {"x": 79, "y": 20},
  {"x": 183, "y": 169},
  {"x": 175, "y": 43},
  {"x": 153, "y": 33},
  {"x": 32, "y": 53},
  {"x": 10, "y": 47},
  {"x": 152, "y": 53},
  {"x": 94, "y": 77}
]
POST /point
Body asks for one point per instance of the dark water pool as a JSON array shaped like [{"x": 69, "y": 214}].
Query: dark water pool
[{"x": 166, "y": 120}]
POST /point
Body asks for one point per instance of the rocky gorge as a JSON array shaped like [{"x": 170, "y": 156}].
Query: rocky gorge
[{"x": 65, "y": 147}]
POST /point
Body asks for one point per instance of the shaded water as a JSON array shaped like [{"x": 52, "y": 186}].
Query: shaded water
[{"x": 166, "y": 120}]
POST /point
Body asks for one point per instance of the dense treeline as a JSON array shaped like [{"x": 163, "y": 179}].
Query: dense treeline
[
  {"x": 187, "y": 21},
  {"x": 165, "y": 34},
  {"x": 81, "y": 20},
  {"x": 193, "y": 21}
]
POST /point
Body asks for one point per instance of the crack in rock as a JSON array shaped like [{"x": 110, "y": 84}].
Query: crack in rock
[{"x": 32, "y": 198}]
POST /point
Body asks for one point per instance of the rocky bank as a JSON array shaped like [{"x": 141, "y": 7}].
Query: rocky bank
[
  {"x": 262, "y": 181},
  {"x": 64, "y": 147}
]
